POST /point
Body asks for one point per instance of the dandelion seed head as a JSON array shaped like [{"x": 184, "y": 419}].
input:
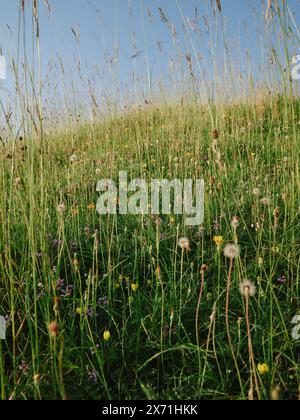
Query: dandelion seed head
[
  {"x": 232, "y": 251},
  {"x": 184, "y": 244},
  {"x": 18, "y": 182},
  {"x": 247, "y": 288},
  {"x": 73, "y": 158},
  {"x": 61, "y": 208},
  {"x": 265, "y": 201}
]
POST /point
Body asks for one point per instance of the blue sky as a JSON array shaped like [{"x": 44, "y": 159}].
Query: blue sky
[{"x": 107, "y": 25}]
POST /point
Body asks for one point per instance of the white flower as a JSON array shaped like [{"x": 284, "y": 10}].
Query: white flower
[
  {"x": 265, "y": 201},
  {"x": 232, "y": 251},
  {"x": 73, "y": 158},
  {"x": 18, "y": 182},
  {"x": 61, "y": 208},
  {"x": 235, "y": 222},
  {"x": 184, "y": 243},
  {"x": 256, "y": 192},
  {"x": 247, "y": 288}
]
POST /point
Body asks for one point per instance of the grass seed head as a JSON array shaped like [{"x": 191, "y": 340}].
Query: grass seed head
[
  {"x": 106, "y": 335},
  {"x": 53, "y": 329}
]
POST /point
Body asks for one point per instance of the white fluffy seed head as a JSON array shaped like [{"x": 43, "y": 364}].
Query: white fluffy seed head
[
  {"x": 232, "y": 251},
  {"x": 247, "y": 288},
  {"x": 265, "y": 201},
  {"x": 61, "y": 208},
  {"x": 18, "y": 182},
  {"x": 73, "y": 158},
  {"x": 184, "y": 243}
]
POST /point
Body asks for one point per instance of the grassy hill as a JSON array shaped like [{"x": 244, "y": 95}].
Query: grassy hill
[{"x": 115, "y": 306}]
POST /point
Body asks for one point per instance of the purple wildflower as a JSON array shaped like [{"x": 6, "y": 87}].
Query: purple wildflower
[
  {"x": 92, "y": 375},
  {"x": 89, "y": 312},
  {"x": 282, "y": 279},
  {"x": 68, "y": 292},
  {"x": 93, "y": 351},
  {"x": 74, "y": 246},
  {"x": 60, "y": 284},
  {"x": 103, "y": 301},
  {"x": 23, "y": 367},
  {"x": 40, "y": 291},
  {"x": 57, "y": 243}
]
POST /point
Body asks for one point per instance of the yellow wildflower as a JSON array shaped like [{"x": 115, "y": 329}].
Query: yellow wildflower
[
  {"x": 106, "y": 335},
  {"x": 219, "y": 240},
  {"x": 263, "y": 368},
  {"x": 134, "y": 287}
]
